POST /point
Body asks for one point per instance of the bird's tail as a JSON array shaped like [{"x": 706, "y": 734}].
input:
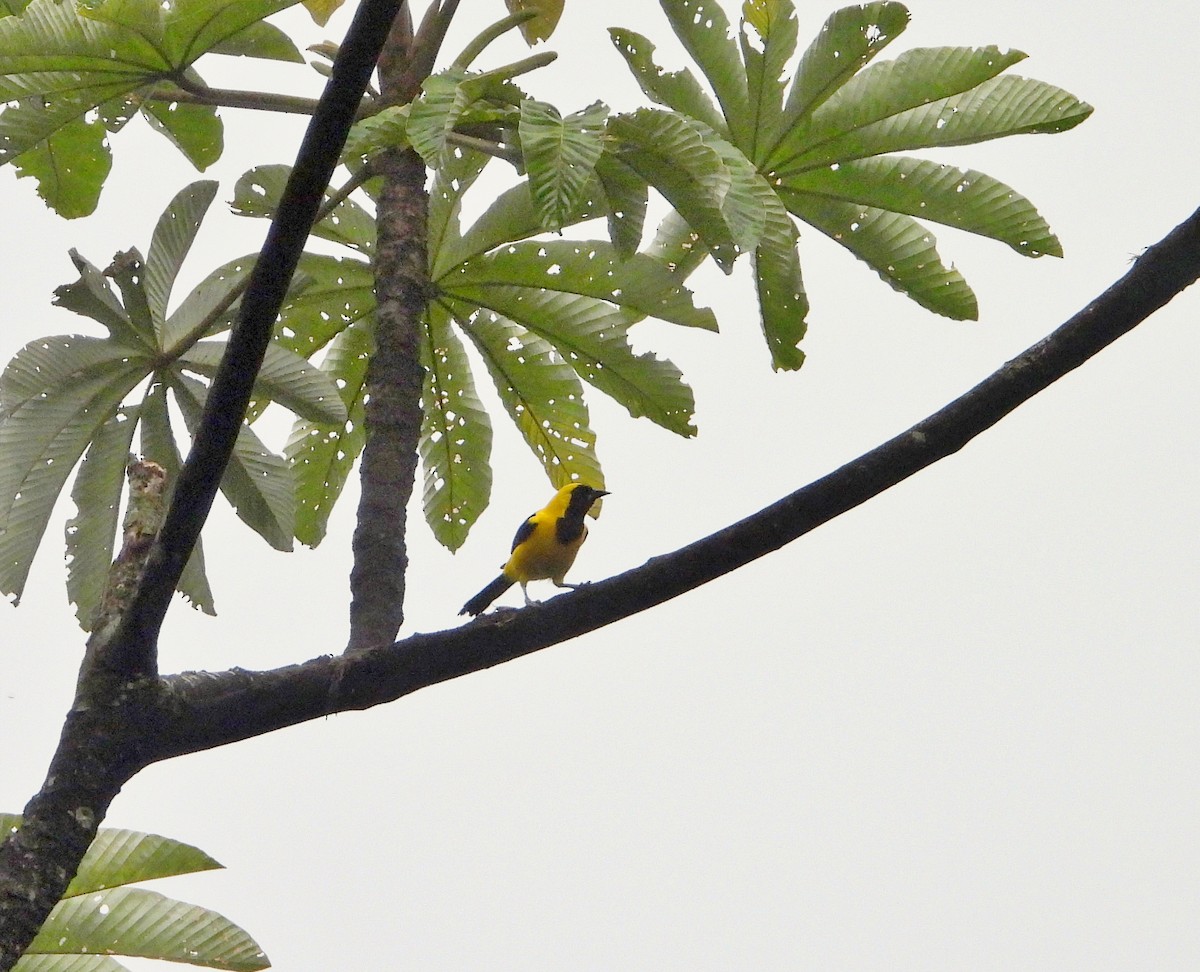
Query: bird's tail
[{"x": 479, "y": 603}]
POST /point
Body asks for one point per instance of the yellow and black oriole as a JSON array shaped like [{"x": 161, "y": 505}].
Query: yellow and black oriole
[{"x": 544, "y": 547}]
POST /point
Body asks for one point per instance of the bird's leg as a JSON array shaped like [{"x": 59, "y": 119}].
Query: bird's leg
[{"x": 529, "y": 602}]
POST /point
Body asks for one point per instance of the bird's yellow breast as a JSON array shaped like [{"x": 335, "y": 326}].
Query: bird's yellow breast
[{"x": 541, "y": 555}]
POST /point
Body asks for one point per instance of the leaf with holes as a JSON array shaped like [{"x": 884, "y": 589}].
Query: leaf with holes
[{"x": 560, "y": 156}]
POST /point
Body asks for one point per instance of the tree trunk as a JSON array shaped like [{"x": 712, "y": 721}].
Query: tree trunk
[{"x": 393, "y": 407}]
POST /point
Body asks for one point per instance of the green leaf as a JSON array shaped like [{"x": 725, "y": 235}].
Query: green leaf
[
  {"x": 70, "y": 164},
  {"x": 433, "y": 115},
  {"x": 285, "y": 378},
  {"x": 540, "y": 392},
  {"x": 259, "y": 190},
  {"x": 322, "y": 456},
  {"x": 962, "y": 198},
  {"x": 896, "y": 247},
  {"x": 849, "y": 39},
  {"x": 450, "y": 184},
  {"x": 92, "y": 531},
  {"x": 708, "y": 37},
  {"x": 158, "y": 445},
  {"x": 456, "y": 436},
  {"x": 55, "y": 395},
  {"x": 127, "y": 271},
  {"x": 258, "y": 484},
  {"x": 774, "y": 25},
  {"x": 672, "y": 156},
  {"x": 91, "y": 296},
  {"x": 118, "y": 857},
  {"x": 384, "y": 130},
  {"x": 593, "y": 338},
  {"x": 589, "y": 268},
  {"x": 678, "y": 90},
  {"x": 193, "y": 27},
  {"x": 337, "y": 293},
  {"x": 210, "y": 308},
  {"x": 68, "y": 963},
  {"x": 627, "y": 195},
  {"x": 263, "y": 40},
  {"x": 137, "y": 922},
  {"x": 173, "y": 237},
  {"x": 541, "y": 26},
  {"x": 1007, "y": 105},
  {"x": 560, "y": 155},
  {"x": 196, "y": 130}
]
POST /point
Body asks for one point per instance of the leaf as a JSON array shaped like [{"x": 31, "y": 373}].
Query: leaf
[
  {"x": 127, "y": 271},
  {"x": 196, "y": 130},
  {"x": 137, "y": 922},
  {"x": 91, "y": 533},
  {"x": 672, "y": 156},
  {"x": 173, "y": 237},
  {"x": 678, "y": 90},
  {"x": 587, "y": 268},
  {"x": 708, "y": 37},
  {"x": 1006, "y": 105},
  {"x": 850, "y": 38},
  {"x": 593, "y": 339},
  {"x": 540, "y": 392},
  {"x": 259, "y": 190},
  {"x": 70, "y": 164},
  {"x": 962, "y": 198},
  {"x": 542, "y": 26},
  {"x": 263, "y": 40},
  {"x": 68, "y": 963},
  {"x": 385, "y": 129},
  {"x": 774, "y": 25},
  {"x": 258, "y": 484},
  {"x": 158, "y": 445},
  {"x": 627, "y": 196},
  {"x": 456, "y": 436},
  {"x": 118, "y": 857},
  {"x": 285, "y": 378},
  {"x": 450, "y": 184},
  {"x": 55, "y": 394},
  {"x": 211, "y": 306},
  {"x": 896, "y": 247},
  {"x": 560, "y": 155},
  {"x": 91, "y": 296},
  {"x": 337, "y": 293},
  {"x": 322, "y": 456}
]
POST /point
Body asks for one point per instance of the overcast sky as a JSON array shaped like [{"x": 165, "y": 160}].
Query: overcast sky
[{"x": 955, "y": 729}]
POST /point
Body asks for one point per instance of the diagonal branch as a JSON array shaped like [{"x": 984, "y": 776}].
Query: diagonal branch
[
  {"x": 211, "y": 709},
  {"x": 133, "y": 649}
]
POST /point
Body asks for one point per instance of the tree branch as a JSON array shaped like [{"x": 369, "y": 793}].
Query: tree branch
[{"x": 211, "y": 709}]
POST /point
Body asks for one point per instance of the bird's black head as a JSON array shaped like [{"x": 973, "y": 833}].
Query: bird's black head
[{"x": 582, "y": 497}]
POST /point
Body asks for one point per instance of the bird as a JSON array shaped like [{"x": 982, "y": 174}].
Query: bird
[{"x": 544, "y": 547}]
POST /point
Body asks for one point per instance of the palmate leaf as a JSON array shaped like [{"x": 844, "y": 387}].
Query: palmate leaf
[
  {"x": 849, "y": 39},
  {"x": 196, "y": 130},
  {"x": 131, "y": 924},
  {"x": 708, "y": 37},
  {"x": 337, "y": 293},
  {"x": 158, "y": 444},
  {"x": 896, "y": 246},
  {"x": 173, "y": 237},
  {"x": 92, "y": 296},
  {"x": 450, "y": 184},
  {"x": 285, "y": 377},
  {"x": 322, "y": 455},
  {"x": 1007, "y": 105},
  {"x": 678, "y": 90},
  {"x": 456, "y": 435},
  {"x": 560, "y": 156},
  {"x": 91, "y": 533},
  {"x": 145, "y": 924},
  {"x": 540, "y": 392},
  {"x": 59, "y": 61},
  {"x": 210, "y": 307},
  {"x": 445, "y": 101},
  {"x": 766, "y": 58},
  {"x": 258, "y": 484},
  {"x": 55, "y": 395},
  {"x": 962, "y": 198},
  {"x": 673, "y": 156},
  {"x": 259, "y": 190}
]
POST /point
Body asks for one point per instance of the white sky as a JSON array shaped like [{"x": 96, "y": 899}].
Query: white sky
[{"x": 954, "y": 729}]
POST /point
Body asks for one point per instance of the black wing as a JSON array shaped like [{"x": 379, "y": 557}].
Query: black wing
[{"x": 523, "y": 532}]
